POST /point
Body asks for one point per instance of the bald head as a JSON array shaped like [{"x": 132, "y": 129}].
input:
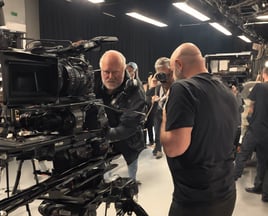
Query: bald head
[
  {"x": 187, "y": 61},
  {"x": 112, "y": 65}
]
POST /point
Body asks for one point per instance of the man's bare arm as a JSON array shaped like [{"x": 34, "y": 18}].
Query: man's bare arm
[{"x": 175, "y": 142}]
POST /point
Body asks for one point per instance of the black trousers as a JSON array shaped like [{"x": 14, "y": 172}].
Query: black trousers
[
  {"x": 249, "y": 145},
  {"x": 223, "y": 208},
  {"x": 262, "y": 152},
  {"x": 157, "y": 127}
]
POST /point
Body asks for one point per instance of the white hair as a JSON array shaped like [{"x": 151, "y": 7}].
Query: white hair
[{"x": 114, "y": 52}]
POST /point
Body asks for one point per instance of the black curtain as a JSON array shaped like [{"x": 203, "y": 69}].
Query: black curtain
[{"x": 139, "y": 42}]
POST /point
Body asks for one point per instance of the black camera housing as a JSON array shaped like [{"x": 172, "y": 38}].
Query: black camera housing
[
  {"x": 40, "y": 79},
  {"x": 49, "y": 111},
  {"x": 161, "y": 77}
]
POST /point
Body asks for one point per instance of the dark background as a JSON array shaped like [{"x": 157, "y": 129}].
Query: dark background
[{"x": 139, "y": 42}]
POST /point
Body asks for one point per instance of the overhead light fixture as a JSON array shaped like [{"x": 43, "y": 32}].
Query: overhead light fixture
[
  {"x": 183, "y": 6},
  {"x": 244, "y": 38},
  {"x": 220, "y": 28},
  {"x": 262, "y": 17},
  {"x": 108, "y": 14},
  {"x": 96, "y": 1},
  {"x": 256, "y": 23},
  {"x": 146, "y": 19}
]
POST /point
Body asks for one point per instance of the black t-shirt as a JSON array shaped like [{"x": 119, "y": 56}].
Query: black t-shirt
[
  {"x": 259, "y": 120},
  {"x": 204, "y": 173}
]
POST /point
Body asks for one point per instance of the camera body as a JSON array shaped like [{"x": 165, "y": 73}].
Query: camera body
[
  {"x": 47, "y": 94},
  {"x": 161, "y": 77},
  {"x": 49, "y": 111}
]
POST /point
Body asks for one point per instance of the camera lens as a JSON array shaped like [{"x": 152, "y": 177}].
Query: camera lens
[
  {"x": 161, "y": 77},
  {"x": 75, "y": 80}
]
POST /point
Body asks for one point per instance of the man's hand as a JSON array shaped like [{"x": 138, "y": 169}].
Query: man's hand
[
  {"x": 152, "y": 81},
  {"x": 155, "y": 98}
]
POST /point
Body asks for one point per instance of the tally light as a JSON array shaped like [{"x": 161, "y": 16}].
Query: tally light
[
  {"x": 220, "y": 28},
  {"x": 146, "y": 19},
  {"x": 191, "y": 11},
  {"x": 244, "y": 38}
]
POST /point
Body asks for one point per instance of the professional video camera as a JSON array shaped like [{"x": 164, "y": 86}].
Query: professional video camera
[{"x": 49, "y": 112}]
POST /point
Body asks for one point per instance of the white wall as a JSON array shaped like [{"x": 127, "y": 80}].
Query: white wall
[
  {"x": 32, "y": 19},
  {"x": 23, "y": 16},
  {"x": 14, "y": 13}
]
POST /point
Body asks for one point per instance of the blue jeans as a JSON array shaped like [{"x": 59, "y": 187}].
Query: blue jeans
[{"x": 132, "y": 169}]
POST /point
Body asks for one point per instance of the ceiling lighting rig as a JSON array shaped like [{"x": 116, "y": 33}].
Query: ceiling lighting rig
[
  {"x": 146, "y": 19},
  {"x": 186, "y": 7},
  {"x": 183, "y": 6},
  {"x": 236, "y": 15},
  {"x": 96, "y": 1},
  {"x": 239, "y": 15}
]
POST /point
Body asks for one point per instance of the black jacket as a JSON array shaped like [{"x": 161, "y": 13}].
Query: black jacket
[{"x": 126, "y": 115}]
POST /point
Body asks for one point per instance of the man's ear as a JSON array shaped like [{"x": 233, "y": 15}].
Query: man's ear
[{"x": 178, "y": 64}]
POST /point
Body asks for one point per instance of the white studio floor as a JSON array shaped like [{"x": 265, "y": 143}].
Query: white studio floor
[{"x": 156, "y": 189}]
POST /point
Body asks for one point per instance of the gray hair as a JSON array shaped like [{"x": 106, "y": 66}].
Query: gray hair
[
  {"x": 265, "y": 70},
  {"x": 162, "y": 61}
]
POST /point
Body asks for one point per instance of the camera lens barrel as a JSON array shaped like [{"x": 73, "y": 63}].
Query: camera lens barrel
[{"x": 161, "y": 77}]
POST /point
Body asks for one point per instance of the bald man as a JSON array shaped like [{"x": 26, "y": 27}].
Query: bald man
[
  {"x": 125, "y": 107},
  {"x": 197, "y": 133}
]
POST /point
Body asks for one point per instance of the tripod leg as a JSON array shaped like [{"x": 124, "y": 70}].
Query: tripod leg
[
  {"x": 28, "y": 209},
  {"x": 34, "y": 171},
  {"x": 7, "y": 179},
  {"x": 17, "y": 177}
]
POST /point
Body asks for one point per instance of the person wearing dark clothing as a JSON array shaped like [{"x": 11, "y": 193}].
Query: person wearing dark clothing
[
  {"x": 125, "y": 108},
  {"x": 149, "y": 122},
  {"x": 158, "y": 95},
  {"x": 156, "y": 113},
  {"x": 257, "y": 137},
  {"x": 240, "y": 103},
  {"x": 133, "y": 73},
  {"x": 198, "y": 128}
]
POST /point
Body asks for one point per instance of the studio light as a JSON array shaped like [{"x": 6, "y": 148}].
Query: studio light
[
  {"x": 96, "y": 1},
  {"x": 262, "y": 17},
  {"x": 146, "y": 19},
  {"x": 220, "y": 28},
  {"x": 183, "y": 6},
  {"x": 244, "y": 38}
]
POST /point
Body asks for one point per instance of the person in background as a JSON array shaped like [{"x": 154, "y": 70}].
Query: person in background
[
  {"x": 158, "y": 94},
  {"x": 240, "y": 103},
  {"x": 149, "y": 123},
  {"x": 133, "y": 70},
  {"x": 125, "y": 108},
  {"x": 256, "y": 137},
  {"x": 198, "y": 128}
]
